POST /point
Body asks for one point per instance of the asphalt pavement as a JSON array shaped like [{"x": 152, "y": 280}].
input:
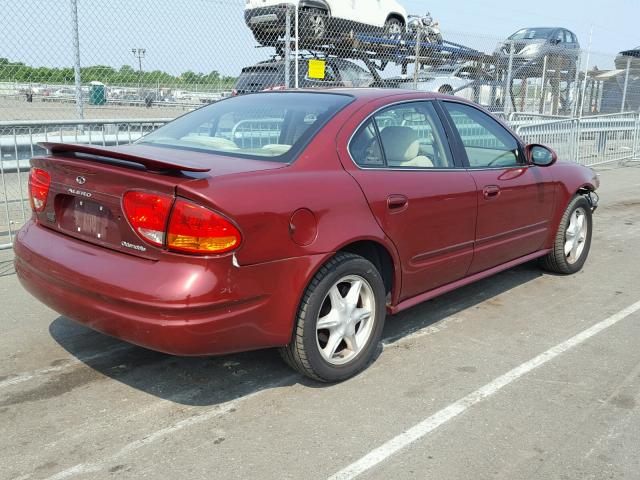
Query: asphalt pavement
[{"x": 525, "y": 375}]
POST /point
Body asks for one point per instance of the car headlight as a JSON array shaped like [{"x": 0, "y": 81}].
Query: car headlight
[{"x": 531, "y": 49}]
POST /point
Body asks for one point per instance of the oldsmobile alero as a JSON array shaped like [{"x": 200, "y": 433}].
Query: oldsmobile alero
[{"x": 294, "y": 219}]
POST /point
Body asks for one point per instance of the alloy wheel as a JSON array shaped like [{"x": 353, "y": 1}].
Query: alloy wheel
[
  {"x": 346, "y": 320},
  {"x": 576, "y": 236}
]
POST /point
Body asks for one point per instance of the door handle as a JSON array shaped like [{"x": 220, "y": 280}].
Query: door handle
[
  {"x": 397, "y": 203},
  {"x": 491, "y": 191}
]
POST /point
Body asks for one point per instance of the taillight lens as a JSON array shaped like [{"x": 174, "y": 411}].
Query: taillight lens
[
  {"x": 39, "y": 183},
  {"x": 196, "y": 229},
  {"x": 148, "y": 213}
]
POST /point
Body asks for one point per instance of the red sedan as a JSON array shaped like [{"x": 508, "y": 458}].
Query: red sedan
[{"x": 295, "y": 220}]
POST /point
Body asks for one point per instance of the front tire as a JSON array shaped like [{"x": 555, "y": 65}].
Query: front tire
[
  {"x": 339, "y": 321},
  {"x": 573, "y": 239}
]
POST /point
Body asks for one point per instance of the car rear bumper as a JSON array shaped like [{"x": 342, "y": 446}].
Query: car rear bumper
[{"x": 186, "y": 306}]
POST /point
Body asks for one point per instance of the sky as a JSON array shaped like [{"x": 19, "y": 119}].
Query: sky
[{"x": 206, "y": 35}]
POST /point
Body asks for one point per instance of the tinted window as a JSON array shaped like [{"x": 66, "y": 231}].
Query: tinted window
[
  {"x": 487, "y": 143},
  {"x": 411, "y": 135},
  {"x": 264, "y": 126},
  {"x": 532, "y": 34}
]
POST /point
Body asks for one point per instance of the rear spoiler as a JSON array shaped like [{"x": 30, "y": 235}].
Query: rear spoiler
[{"x": 119, "y": 154}]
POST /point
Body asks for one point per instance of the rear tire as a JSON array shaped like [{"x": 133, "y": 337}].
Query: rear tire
[
  {"x": 446, "y": 90},
  {"x": 573, "y": 239},
  {"x": 347, "y": 297}
]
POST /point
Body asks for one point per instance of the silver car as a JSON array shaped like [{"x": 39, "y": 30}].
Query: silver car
[{"x": 530, "y": 47}]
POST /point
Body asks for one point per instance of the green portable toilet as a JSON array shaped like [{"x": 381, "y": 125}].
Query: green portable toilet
[{"x": 97, "y": 93}]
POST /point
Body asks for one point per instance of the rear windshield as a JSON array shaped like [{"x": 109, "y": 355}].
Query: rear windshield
[
  {"x": 268, "y": 126},
  {"x": 256, "y": 79},
  {"x": 532, "y": 34}
]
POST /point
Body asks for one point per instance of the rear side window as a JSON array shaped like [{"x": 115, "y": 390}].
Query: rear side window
[
  {"x": 270, "y": 126},
  {"x": 487, "y": 143},
  {"x": 408, "y": 135},
  {"x": 365, "y": 147},
  {"x": 354, "y": 76},
  {"x": 329, "y": 74}
]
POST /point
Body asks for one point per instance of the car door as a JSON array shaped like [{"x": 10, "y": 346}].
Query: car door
[
  {"x": 423, "y": 201},
  {"x": 571, "y": 47},
  {"x": 515, "y": 199},
  {"x": 369, "y": 12}
]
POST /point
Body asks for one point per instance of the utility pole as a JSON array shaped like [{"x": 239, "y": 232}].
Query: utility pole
[
  {"x": 140, "y": 54},
  {"x": 76, "y": 63}
]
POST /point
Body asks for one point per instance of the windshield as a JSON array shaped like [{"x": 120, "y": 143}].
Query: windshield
[
  {"x": 532, "y": 34},
  {"x": 268, "y": 126}
]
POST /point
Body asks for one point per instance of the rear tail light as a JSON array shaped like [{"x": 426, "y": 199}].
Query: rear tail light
[
  {"x": 148, "y": 214},
  {"x": 187, "y": 227},
  {"x": 39, "y": 183},
  {"x": 196, "y": 229}
]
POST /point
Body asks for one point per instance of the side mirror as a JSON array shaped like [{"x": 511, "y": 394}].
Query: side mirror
[{"x": 540, "y": 155}]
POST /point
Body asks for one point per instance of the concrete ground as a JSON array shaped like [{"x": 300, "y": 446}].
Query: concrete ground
[{"x": 77, "y": 404}]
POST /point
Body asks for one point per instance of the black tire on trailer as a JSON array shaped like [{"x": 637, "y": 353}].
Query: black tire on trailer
[
  {"x": 573, "y": 239},
  {"x": 315, "y": 24},
  {"x": 394, "y": 26},
  {"x": 340, "y": 320}
]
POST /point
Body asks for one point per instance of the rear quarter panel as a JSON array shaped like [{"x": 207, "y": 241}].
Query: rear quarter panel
[{"x": 262, "y": 203}]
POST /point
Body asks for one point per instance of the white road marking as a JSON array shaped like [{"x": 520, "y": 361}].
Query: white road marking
[
  {"x": 429, "y": 424},
  {"x": 204, "y": 416},
  {"x": 26, "y": 376}
]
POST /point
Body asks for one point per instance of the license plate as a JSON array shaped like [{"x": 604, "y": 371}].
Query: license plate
[{"x": 88, "y": 218}]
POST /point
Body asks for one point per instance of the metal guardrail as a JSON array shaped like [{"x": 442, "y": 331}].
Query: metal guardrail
[
  {"x": 593, "y": 140},
  {"x": 590, "y": 141},
  {"x": 19, "y": 143}
]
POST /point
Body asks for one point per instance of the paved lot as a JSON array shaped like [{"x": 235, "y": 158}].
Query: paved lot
[
  {"x": 19, "y": 109},
  {"x": 76, "y": 404}
]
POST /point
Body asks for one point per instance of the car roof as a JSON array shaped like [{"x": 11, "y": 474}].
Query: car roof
[
  {"x": 281, "y": 61},
  {"x": 541, "y": 28},
  {"x": 368, "y": 93}
]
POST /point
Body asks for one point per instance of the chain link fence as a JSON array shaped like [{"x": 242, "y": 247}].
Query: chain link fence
[
  {"x": 106, "y": 72},
  {"x": 122, "y": 59}
]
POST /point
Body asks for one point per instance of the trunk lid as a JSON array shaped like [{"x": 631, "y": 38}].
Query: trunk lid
[{"x": 88, "y": 184}]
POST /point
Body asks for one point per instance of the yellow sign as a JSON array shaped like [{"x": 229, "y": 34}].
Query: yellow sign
[{"x": 317, "y": 69}]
